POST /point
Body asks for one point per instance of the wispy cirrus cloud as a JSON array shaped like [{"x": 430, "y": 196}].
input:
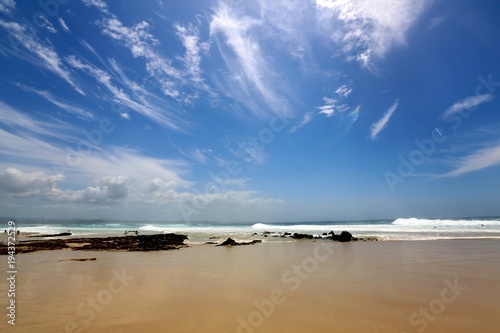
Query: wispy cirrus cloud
[
  {"x": 306, "y": 119},
  {"x": 370, "y": 28},
  {"x": 251, "y": 76},
  {"x": 343, "y": 91},
  {"x": 99, "y": 4},
  {"x": 46, "y": 24},
  {"x": 189, "y": 36},
  {"x": 332, "y": 106},
  {"x": 19, "y": 121},
  {"x": 336, "y": 105},
  {"x": 140, "y": 43},
  {"x": 139, "y": 100},
  {"x": 177, "y": 83},
  {"x": 378, "y": 126},
  {"x": 478, "y": 160},
  {"x": 467, "y": 104},
  {"x": 45, "y": 54},
  {"x": 63, "y": 24},
  {"x": 6, "y": 6},
  {"x": 59, "y": 103}
]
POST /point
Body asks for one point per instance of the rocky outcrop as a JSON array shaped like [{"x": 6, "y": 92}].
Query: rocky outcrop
[
  {"x": 301, "y": 236},
  {"x": 345, "y": 236},
  {"x": 232, "y": 242},
  {"x": 53, "y": 235},
  {"x": 159, "y": 242}
]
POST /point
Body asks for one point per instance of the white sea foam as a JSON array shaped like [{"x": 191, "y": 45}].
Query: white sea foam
[
  {"x": 399, "y": 229},
  {"x": 295, "y": 227},
  {"x": 444, "y": 222},
  {"x": 42, "y": 229}
]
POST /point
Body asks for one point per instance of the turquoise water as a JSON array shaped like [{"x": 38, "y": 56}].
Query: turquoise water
[{"x": 393, "y": 229}]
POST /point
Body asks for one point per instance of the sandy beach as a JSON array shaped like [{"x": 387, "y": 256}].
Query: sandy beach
[{"x": 295, "y": 286}]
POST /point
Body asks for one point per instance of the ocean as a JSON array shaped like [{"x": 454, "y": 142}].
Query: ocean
[{"x": 390, "y": 229}]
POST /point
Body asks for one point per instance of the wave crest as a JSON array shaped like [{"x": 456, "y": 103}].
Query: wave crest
[{"x": 443, "y": 222}]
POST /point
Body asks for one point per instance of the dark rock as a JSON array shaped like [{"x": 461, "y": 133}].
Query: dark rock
[
  {"x": 228, "y": 242},
  {"x": 54, "y": 235},
  {"x": 345, "y": 236},
  {"x": 159, "y": 242},
  {"x": 232, "y": 242},
  {"x": 80, "y": 259},
  {"x": 301, "y": 236}
]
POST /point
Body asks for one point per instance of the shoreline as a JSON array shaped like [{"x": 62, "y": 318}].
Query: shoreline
[{"x": 155, "y": 242}]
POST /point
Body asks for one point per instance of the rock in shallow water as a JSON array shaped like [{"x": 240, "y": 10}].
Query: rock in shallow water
[
  {"x": 232, "y": 242},
  {"x": 345, "y": 236},
  {"x": 159, "y": 242}
]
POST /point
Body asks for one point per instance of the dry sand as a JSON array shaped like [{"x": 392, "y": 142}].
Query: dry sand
[{"x": 304, "y": 286}]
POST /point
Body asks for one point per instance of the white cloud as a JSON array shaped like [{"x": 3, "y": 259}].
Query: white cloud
[
  {"x": 22, "y": 122},
  {"x": 29, "y": 150},
  {"x": 46, "y": 23},
  {"x": 290, "y": 23},
  {"x": 63, "y": 105},
  {"x": 140, "y": 43},
  {"x": 18, "y": 184},
  {"x": 370, "y": 27},
  {"x": 137, "y": 102},
  {"x": 63, "y": 24},
  {"x": 113, "y": 190},
  {"x": 308, "y": 116},
  {"x": 90, "y": 173},
  {"x": 332, "y": 107},
  {"x": 378, "y": 126},
  {"x": 99, "y": 4},
  {"x": 128, "y": 190},
  {"x": 125, "y": 115},
  {"x": 479, "y": 160},
  {"x": 108, "y": 190},
  {"x": 194, "y": 48},
  {"x": 46, "y": 53},
  {"x": 83, "y": 159},
  {"x": 249, "y": 70},
  {"x": 343, "y": 91},
  {"x": 6, "y": 6},
  {"x": 436, "y": 21},
  {"x": 467, "y": 104}
]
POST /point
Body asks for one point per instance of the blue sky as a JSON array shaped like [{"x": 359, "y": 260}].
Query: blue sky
[{"x": 294, "y": 110}]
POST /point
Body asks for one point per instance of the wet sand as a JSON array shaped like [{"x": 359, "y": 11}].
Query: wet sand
[{"x": 297, "y": 286}]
